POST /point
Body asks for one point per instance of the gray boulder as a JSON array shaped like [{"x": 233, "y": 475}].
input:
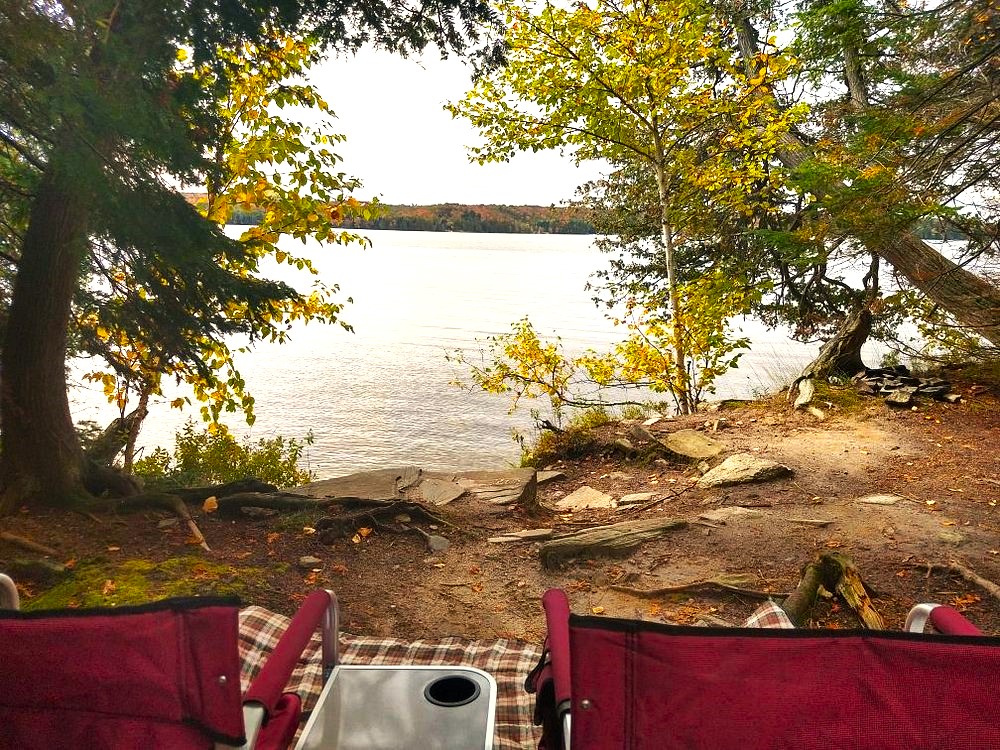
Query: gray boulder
[{"x": 743, "y": 468}]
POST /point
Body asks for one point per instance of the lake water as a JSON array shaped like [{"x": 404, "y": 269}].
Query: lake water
[{"x": 382, "y": 395}]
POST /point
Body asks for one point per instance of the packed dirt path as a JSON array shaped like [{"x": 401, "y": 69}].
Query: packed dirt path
[{"x": 939, "y": 460}]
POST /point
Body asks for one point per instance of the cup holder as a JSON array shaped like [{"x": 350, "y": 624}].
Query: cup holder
[{"x": 452, "y": 691}]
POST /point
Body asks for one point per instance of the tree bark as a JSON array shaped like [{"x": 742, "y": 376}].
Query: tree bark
[
  {"x": 683, "y": 394},
  {"x": 42, "y": 460},
  {"x": 138, "y": 417},
  {"x": 841, "y": 355}
]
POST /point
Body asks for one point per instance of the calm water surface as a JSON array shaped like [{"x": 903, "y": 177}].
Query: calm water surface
[{"x": 382, "y": 395}]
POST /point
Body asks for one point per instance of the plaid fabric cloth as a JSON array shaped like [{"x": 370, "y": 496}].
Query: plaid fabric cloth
[
  {"x": 508, "y": 661},
  {"x": 768, "y": 615}
]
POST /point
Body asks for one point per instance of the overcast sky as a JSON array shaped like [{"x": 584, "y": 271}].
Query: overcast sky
[{"x": 407, "y": 149}]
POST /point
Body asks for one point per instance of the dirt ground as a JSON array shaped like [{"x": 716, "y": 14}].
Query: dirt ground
[{"x": 942, "y": 460}]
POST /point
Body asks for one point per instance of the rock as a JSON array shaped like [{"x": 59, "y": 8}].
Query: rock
[
  {"x": 500, "y": 487},
  {"x": 439, "y": 491},
  {"x": 879, "y": 499},
  {"x": 402, "y": 518},
  {"x": 308, "y": 562},
  {"x": 951, "y": 398},
  {"x": 901, "y": 397},
  {"x": 436, "y": 542},
  {"x": 382, "y": 484},
  {"x": 528, "y": 535},
  {"x": 624, "y": 445},
  {"x": 807, "y": 389},
  {"x": 951, "y": 537},
  {"x": 731, "y": 513},
  {"x": 934, "y": 391},
  {"x": 620, "y": 476},
  {"x": 742, "y": 468},
  {"x": 692, "y": 444},
  {"x": 652, "y": 420},
  {"x": 640, "y": 434},
  {"x": 544, "y": 477},
  {"x": 166, "y": 523},
  {"x": 635, "y": 498},
  {"x": 866, "y": 388},
  {"x": 586, "y": 498}
]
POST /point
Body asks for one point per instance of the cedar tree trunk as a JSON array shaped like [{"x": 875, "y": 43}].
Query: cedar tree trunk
[{"x": 42, "y": 461}]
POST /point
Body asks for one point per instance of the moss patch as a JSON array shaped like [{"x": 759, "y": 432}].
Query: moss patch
[{"x": 98, "y": 583}]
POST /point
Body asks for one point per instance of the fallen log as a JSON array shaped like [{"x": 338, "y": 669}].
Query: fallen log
[
  {"x": 800, "y": 603},
  {"x": 614, "y": 539},
  {"x": 837, "y": 574}
]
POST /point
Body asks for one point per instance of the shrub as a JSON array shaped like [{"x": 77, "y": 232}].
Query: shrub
[{"x": 209, "y": 456}]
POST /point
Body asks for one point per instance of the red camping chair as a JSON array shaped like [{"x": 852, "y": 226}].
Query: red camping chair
[
  {"x": 162, "y": 675},
  {"x": 632, "y": 684}
]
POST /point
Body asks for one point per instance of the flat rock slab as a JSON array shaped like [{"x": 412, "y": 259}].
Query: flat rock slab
[
  {"x": 382, "y": 484},
  {"x": 879, "y": 499},
  {"x": 743, "y": 468},
  {"x": 544, "y": 477},
  {"x": 439, "y": 491},
  {"x": 500, "y": 487},
  {"x": 528, "y": 535},
  {"x": 618, "y": 538},
  {"x": 435, "y": 488},
  {"x": 586, "y": 498},
  {"x": 692, "y": 444}
]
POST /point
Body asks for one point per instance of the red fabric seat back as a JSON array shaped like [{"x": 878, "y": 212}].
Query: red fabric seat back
[
  {"x": 163, "y": 675},
  {"x": 643, "y": 685}
]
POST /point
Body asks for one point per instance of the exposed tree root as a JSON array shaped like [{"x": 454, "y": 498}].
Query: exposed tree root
[
  {"x": 967, "y": 573},
  {"x": 28, "y": 544},
  {"x": 378, "y": 514},
  {"x": 722, "y": 584}
]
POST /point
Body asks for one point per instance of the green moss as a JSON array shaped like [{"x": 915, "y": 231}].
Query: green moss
[
  {"x": 99, "y": 583},
  {"x": 844, "y": 399}
]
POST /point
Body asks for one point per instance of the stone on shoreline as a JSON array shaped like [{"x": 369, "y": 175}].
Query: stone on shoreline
[
  {"x": 692, "y": 444},
  {"x": 586, "y": 498},
  {"x": 743, "y": 468}
]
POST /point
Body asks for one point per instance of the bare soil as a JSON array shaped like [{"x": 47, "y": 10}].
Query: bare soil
[{"x": 941, "y": 459}]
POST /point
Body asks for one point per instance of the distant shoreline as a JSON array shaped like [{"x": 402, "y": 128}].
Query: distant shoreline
[{"x": 454, "y": 217}]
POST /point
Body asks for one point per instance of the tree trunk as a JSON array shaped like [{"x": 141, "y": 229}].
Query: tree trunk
[
  {"x": 683, "y": 394},
  {"x": 841, "y": 355},
  {"x": 138, "y": 416},
  {"x": 42, "y": 460}
]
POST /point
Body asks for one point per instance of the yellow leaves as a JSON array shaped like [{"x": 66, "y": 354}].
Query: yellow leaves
[
  {"x": 211, "y": 504},
  {"x": 363, "y": 533}
]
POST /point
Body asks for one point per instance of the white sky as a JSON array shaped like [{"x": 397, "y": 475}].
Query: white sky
[{"x": 407, "y": 149}]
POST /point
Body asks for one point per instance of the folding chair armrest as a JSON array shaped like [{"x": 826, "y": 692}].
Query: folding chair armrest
[
  {"x": 556, "y": 606},
  {"x": 9, "y": 598},
  {"x": 950, "y": 622},
  {"x": 319, "y": 607},
  {"x": 944, "y": 619}
]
